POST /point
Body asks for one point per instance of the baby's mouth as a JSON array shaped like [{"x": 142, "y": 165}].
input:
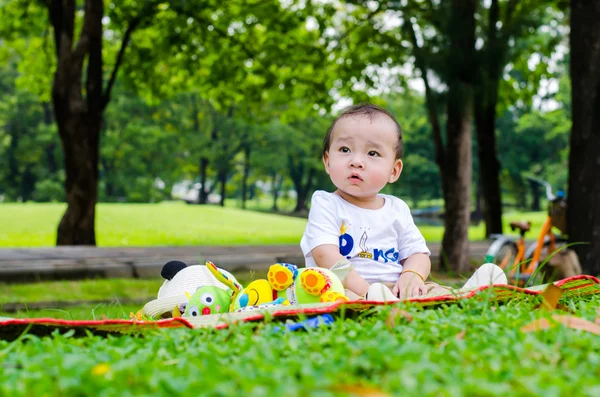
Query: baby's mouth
[{"x": 355, "y": 177}]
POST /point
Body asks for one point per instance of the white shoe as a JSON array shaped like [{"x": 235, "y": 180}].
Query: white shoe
[
  {"x": 487, "y": 274},
  {"x": 380, "y": 293}
]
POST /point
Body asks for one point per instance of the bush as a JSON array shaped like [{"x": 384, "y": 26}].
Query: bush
[{"x": 49, "y": 190}]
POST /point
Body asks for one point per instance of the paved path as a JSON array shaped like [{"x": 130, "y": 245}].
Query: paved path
[{"x": 32, "y": 264}]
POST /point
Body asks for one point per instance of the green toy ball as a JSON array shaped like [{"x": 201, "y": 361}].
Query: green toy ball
[{"x": 208, "y": 300}]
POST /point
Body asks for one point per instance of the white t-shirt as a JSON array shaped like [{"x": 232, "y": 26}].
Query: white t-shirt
[{"x": 375, "y": 241}]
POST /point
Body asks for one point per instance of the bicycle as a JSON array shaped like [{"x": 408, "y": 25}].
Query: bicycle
[{"x": 511, "y": 254}]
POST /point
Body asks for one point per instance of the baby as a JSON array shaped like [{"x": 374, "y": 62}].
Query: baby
[{"x": 375, "y": 232}]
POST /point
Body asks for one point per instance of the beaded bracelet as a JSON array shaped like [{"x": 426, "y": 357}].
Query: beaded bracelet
[{"x": 413, "y": 271}]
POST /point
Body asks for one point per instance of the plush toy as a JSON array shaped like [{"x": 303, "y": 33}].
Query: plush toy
[
  {"x": 182, "y": 282},
  {"x": 208, "y": 300},
  {"x": 285, "y": 281},
  {"x": 212, "y": 300}
]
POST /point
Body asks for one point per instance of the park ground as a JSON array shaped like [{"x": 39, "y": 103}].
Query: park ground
[{"x": 474, "y": 347}]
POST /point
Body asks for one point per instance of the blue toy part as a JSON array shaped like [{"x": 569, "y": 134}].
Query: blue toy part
[
  {"x": 277, "y": 302},
  {"x": 292, "y": 268},
  {"x": 322, "y": 320}
]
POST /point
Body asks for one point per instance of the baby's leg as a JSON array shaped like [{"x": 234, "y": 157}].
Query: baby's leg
[
  {"x": 487, "y": 274},
  {"x": 378, "y": 292},
  {"x": 353, "y": 296}
]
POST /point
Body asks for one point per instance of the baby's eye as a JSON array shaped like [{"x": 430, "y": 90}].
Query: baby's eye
[
  {"x": 373, "y": 153},
  {"x": 344, "y": 149}
]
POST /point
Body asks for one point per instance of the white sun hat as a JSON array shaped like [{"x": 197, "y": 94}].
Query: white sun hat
[{"x": 181, "y": 281}]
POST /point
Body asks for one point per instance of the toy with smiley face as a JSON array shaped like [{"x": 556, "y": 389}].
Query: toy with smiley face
[{"x": 208, "y": 300}]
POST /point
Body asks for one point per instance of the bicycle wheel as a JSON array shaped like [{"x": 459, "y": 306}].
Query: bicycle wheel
[{"x": 502, "y": 252}]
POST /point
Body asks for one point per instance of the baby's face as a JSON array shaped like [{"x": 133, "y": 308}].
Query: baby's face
[{"x": 362, "y": 156}]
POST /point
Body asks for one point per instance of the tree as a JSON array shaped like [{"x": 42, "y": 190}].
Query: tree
[
  {"x": 508, "y": 36},
  {"x": 583, "y": 211},
  {"x": 224, "y": 43},
  {"x": 79, "y": 108},
  {"x": 458, "y": 153}
]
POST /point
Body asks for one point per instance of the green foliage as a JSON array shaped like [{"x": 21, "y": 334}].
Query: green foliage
[
  {"x": 420, "y": 175},
  {"x": 536, "y": 143},
  {"x": 208, "y": 81}
]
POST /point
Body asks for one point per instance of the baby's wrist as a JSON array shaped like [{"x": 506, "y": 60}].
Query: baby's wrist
[{"x": 413, "y": 273}]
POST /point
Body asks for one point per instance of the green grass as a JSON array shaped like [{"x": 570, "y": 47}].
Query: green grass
[
  {"x": 473, "y": 348},
  {"x": 173, "y": 224},
  {"x": 95, "y": 289},
  {"x": 116, "y": 294},
  {"x": 166, "y": 224},
  {"x": 112, "y": 309}
]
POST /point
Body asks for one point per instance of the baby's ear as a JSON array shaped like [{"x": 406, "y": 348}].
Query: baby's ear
[
  {"x": 396, "y": 171},
  {"x": 326, "y": 161}
]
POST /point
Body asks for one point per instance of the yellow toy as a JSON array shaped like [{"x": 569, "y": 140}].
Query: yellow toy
[{"x": 286, "y": 284}]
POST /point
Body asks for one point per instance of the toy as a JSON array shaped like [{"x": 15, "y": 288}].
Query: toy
[
  {"x": 181, "y": 283},
  {"x": 322, "y": 320},
  {"x": 284, "y": 280},
  {"x": 208, "y": 300}
]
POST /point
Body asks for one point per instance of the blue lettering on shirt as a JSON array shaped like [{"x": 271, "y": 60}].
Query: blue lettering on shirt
[
  {"x": 346, "y": 244},
  {"x": 390, "y": 255}
]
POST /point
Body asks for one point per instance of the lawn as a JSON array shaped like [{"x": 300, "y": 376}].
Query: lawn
[
  {"x": 176, "y": 224},
  {"x": 473, "y": 348}
]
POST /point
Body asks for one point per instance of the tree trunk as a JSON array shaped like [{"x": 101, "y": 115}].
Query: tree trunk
[
  {"x": 79, "y": 135},
  {"x": 458, "y": 164},
  {"x": 455, "y": 243},
  {"x": 583, "y": 211},
  {"x": 109, "y": 184},
  {"x": 536, "y": 196},
  {"x": 204, "y": 161},
  {"x": 78, "y": 117},
  {"x": 246, "y": 173},
  {"x": 223, "y": 186},
  {"x": 12, "y": 177},
  {"x": 28, "y": 179},
  {"x": 490, "y": 65},
  {"x": 302, "y": 183},
  {"x": 489, "y": 168},
  {"x": 478, "y": 213},
  {"x": 204, "y": 191},
  {"x": 275, "y": 191},
  {"x": 50, "y": 158}
]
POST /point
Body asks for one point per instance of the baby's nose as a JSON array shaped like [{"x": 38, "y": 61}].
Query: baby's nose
[{"x": 357, "y": 161}]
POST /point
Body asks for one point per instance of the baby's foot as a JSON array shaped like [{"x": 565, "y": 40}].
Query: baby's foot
[
  {"x": 487, "y": 274},
  {"x": 280, "y": 277},
  {"x": 380, "y": 293}
]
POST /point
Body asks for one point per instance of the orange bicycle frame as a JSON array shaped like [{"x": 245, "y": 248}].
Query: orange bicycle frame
[
  {"x": 529, "y": 268},
  {"x": 546, "y": 231}
]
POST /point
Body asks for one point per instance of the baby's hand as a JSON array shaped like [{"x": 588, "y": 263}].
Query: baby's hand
[{"x": 409, "y": 285}]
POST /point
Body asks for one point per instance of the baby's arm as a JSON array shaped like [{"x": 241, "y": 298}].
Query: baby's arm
[{"x": 327, "y": 255}]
